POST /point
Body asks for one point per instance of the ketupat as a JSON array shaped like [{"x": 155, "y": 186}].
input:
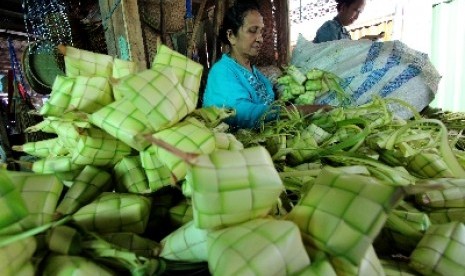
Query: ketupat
[
  {"x": 11, "y": 203},
  {"x": 189, "y": 136},
  {"x": 187, "y": 71},
  {"x": 277, "y": 249},
  {"x": 130, "y": 176},
  {"x": 158, "y": 174},
  {"x": 16, "y": 255},
  {"x": 450, "y": 194},
  {"x": 226, "y": 193},
  {"x": 80, "y": 62},
  {"x": 139, "y": 245},
  {"x": 40, "y": 193},
  {"x": 115, "y": 212},
  {"x": 158, "y": 94},
  {"x": 440, "y": 251},
  {"x": 187, "y": 243},
  {"x": 351, "y": 210},
  {"x": 64, "y": 240},
  {"x": 62, "y": 265},
  {"x": 98, "y": 148},
  {"x": 124, "y": 121},
  {"x": 87, "y": 185}
]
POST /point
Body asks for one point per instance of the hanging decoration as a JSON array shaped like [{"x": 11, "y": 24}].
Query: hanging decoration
[
  {"x": 47, "y": 20},
  {"x": 17, "y": 71}
]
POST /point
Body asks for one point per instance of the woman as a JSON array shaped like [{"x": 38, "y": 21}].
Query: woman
[
  {"x": 233, "y": 82},
  {"x": 347, "y": 12}
]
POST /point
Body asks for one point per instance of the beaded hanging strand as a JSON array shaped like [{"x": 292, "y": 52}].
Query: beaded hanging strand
[{"x": 47, "y": 20}]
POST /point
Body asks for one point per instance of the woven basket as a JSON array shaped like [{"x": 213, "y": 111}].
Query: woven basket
[
  {"x": 173, "y": 16},
  {"x": 42, "y": 63}
]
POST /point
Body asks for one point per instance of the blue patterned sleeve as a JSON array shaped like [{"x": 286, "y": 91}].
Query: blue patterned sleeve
[{"x": 228, "y": 88}]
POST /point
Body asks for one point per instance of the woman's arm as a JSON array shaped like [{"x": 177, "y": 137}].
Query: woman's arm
[{"x": 225, "y": 88}]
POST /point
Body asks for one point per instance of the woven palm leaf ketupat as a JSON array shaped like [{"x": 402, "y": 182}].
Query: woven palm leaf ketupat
[
  {"x": 130, "y": 176},
  {"x": 115, "y": 212},
  {"x": 80, "y": 62},
  {"x": 158, "y": 94},
  {"x": 440, "y": 250},
  {"x": 353, "y": 209},
  {"x": 55, "y": 164},
  {"x": 124, "y": 121},
  {"x": 98, "y": 148},
  {"x": 225, "y": 193},
  {"x": 277, "y": 249},
  {"x": 187, "y": 243},
  {"x": 12, "y": 205},
  {"x": 87, "y": 185},
  {"x": 15, "y": 256},
  {"x": 451, "y": 194},
  {"x": 158, "y": 174},
  {"x": 66, "y": 264},
  {"x": 40, "y": 194},
  {"x": 190, "y": 136},
  {"x": 188, "y": 72}
]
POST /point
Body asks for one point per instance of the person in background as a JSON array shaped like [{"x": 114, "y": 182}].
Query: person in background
[
  {"x": 233, "y": 81},
  {"x": 347, "y": 13}
]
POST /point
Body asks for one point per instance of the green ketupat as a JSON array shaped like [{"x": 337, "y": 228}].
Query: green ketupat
[
  {"x": 123, "y": 68},
  {"x": 43, "y": 148},
  {"x": 440, "y": 251},
  {"x": 158, "y": 174},
  {"x": 11, "y": 203},
  {"x": 80, "y": 62},
  {"x": 343, "y": 212},
  {"x": 130, "y": 176},
  {"x": 450, "y": 195},
  {"x": 89, "y": 94},
  {"x": 98, "y": 148},
  {"x": 115, "y": 212},
  {"x": 60, "y": 97},
  {"x": 124, "y": 121},
  {"x": 16, "y": 255},
  {"x": 64, "y": 240},
  {"x": 134, "y": 243},
  {"x": 439, "y": 216},
  {"x": 55, "y": 164},
  {"x": 40, "y": 193},
  {"x": 187, "y": 71},
  {"x": 87, "y": 185},
  {"x": 227, "y": 141},
  {"x": 187, "y": 243},
  {"x": 158, "y": 94},
  {"x": 226, "y": 193},
  {"x": 370, "y": 265},
  {"x": 64, "y": 265},
  {"x": 189, "y": 136},
  {"x": 257, "y": 247},
  {"x": 181, "y": 213}
]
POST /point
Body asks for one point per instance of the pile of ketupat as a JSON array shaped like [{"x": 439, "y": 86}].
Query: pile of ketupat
[{"x": 139, "y": 181}]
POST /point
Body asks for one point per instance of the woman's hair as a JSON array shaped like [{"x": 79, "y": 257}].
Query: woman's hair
[
  {"x": 234, "y": 18},
  {"x": 344, "y": 2}
]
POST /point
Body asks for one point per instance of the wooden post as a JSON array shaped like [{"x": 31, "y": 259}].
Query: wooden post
[
  {"x": 283, "y": 28},
  {"x": 121, "y": 20}
]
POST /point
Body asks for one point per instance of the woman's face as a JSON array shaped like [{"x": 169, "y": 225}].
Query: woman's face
[
  {"x": 249, "y": 38},
  {"x": 348, "y": 14}
]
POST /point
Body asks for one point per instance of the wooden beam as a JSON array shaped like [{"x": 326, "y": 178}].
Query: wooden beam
[
  {"x": 283, "y": 28},
  {"x": 121, "y": 22}
]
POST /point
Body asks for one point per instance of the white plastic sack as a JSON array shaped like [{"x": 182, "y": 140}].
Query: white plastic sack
[{"x": 387, "y": 69}]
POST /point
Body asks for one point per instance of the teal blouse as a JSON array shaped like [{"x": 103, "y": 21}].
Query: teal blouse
[{"x": 250, "y": 94}]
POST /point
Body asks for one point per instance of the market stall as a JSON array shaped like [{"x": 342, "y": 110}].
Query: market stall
[{"x": 132, "y": 177}]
